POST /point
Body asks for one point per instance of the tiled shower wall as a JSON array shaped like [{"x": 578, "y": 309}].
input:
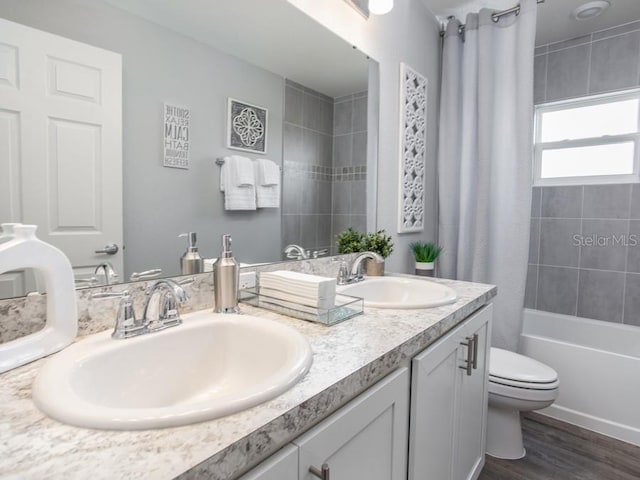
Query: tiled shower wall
[
  {"x": 325, "y": 150},
  {"x": 584, "y": 256}
]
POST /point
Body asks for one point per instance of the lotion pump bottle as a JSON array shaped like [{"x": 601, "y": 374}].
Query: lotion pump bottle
[
  {"x": 226, "y": 279},
  {"x": 191, "y": 262}
]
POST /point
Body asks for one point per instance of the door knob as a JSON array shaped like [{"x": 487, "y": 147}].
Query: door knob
[{"x": 110, "y": 249}]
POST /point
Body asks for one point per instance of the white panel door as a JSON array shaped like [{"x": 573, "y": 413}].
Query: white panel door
[
  {"x": 366, "y": 439},
  {"x": 61, "y": 142}
]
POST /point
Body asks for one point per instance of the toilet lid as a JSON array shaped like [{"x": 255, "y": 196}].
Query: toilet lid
[{"x": 506, "y": 365}]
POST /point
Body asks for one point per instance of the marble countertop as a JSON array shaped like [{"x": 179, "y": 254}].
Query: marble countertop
[{"x": 348, "y": 358}]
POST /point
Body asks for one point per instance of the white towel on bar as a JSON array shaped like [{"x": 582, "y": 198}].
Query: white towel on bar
[
  {"x": 268, "y": 184},
  {"x": 242, "y": 173},
  {"x": 236, "y": 197},
  {"x": 268, "y": 173}
]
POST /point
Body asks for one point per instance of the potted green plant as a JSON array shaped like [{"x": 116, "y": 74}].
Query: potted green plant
[
  {"x": 425, "y": 255},
  {"x": 350, "y": 241},
  {"x": 379, "y": 242}
]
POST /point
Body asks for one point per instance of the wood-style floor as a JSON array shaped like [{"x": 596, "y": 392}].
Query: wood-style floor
[{"x": 560, "y": 451}]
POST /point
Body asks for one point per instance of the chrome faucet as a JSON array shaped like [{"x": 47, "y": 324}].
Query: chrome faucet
[
  {"x": 352, "y": 275},
  {"x": 168, "y": 294},
  {"x": 296, "y": 252},
  {"x": 109, "y": 273}
]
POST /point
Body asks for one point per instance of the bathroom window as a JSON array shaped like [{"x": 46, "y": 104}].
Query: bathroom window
[{"x": 587, "y": 141}]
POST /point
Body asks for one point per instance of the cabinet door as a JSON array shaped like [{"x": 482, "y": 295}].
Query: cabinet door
[
  {"x": 282, "y": 465},
  {"x": 365, "y": 439},
  {"x": 473, "y": 398},
  {"x": 448, "y": 406},
  {"x": 434, "y": 396}
]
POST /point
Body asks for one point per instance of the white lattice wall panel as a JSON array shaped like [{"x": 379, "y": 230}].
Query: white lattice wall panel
[{"x": 413, "y": 104}]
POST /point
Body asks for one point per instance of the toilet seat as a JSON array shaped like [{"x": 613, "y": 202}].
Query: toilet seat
[
  {"x": 527, "y": 394},
  {"x": 510, "y": 368}
]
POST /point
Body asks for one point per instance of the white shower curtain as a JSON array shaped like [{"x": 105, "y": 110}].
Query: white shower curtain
[{"x": 484, "y": 158}]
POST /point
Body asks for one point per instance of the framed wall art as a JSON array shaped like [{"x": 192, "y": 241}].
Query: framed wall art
[{"x": 246, "y": 127}]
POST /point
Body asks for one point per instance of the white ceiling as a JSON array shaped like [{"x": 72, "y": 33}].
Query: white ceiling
[
  {"x": 272, "y": 34},
  {"x": 554, "y": 21}
]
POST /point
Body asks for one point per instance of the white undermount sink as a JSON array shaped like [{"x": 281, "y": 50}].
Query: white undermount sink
[
  {"x": 210, "y": 366},
  {"x": 400, "y": 292}
]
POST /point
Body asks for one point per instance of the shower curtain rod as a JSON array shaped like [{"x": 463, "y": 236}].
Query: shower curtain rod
[{"x": 496, "y": 16}]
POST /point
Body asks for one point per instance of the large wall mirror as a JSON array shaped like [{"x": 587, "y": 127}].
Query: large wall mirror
[{"x": 197, "y": 54}]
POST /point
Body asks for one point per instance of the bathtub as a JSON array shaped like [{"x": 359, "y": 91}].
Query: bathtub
[{"x": 599, "y": 368}]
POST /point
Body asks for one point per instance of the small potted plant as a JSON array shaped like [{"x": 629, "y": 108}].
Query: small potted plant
[
  {"x": 425, "y": 255},
  {"x": 379, "y": 242},
  {"x": 350, "y": 241}
]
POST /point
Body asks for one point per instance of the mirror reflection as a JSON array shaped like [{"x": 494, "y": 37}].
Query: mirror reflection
[{"x": 89, "y": 170}]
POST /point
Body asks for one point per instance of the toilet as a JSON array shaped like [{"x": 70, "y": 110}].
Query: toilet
[{"x": 516, "y": 384}]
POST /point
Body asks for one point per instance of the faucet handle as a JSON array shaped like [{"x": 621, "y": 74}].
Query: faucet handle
[
  {"x": 343, "y": 274},
  {"x": 146, "y": 275},
  {"x": 126, "y": 318}
]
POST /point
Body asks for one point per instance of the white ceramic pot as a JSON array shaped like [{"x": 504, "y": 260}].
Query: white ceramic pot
[{"x": 424, "y": 269}]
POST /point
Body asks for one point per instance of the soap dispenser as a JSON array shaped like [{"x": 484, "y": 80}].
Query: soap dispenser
[
  {"x": 191, "y": 262},
  {"x": 226, "y": 279}
]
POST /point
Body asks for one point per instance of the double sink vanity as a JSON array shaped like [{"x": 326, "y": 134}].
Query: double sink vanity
[{"x": 261, "y": 396}]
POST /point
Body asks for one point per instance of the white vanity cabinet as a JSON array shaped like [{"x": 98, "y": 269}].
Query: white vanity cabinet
[
  {"x": 433, "y": 431},
  {"x": 449, "y": 403},
  {"x": 282, "y": 465},
  {"x": 367, "y": 438}
]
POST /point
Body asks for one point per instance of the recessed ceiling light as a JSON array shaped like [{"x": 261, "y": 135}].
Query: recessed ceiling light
[
  {"x": 590, "y": 9},
  {"x": 380, "y": 7}
]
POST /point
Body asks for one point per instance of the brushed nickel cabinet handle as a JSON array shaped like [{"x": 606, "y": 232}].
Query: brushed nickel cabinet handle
[
  {"x": 475, "y": 351},
  {"x": 322, "y": 474},
  {"x": 469, "y": 366}
]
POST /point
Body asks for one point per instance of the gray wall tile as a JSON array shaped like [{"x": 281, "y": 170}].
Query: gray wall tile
[
  {"x": 326, "y": 117},
  {"x": 358, "y": 197},
  {"x": 572, "y": 42},
  {"x": 605, "y": 248},
  {"x": 359, "y": 148},
  {"x": 539, "y": 79},
  {"x": 536, "y": 201},
  {"x": 628, "y": 27},
  {"x": 311, "y": 112},
  {"x": 562, "y": 202},
  {"x": 632, "y": 300},
  {"x": 635, "y": 201},
  {"x": 531, "y": 291},
  {"x": 567, "y": 73},
  {"x": 309, "y": 196},
  {"x": 293, "y": 101},
  {"x": 292, "y": 143},
  {"x": 342, "y": 118},
  {"x": 606, "y": 201},
  {"x": 291, "y": 192},
  {"x": 614, "y": 63},
  {"x": 541, "y": 50},
  {"x": 342, "y": 198},
  {"x": 290, "y": 229},
  {"x": 359, "y": 115},
  {"x": 324, "y": 231},
  {"x": 557, "y": 290},
  {"x": 359, "y": 222},
  {"x": 308, "y": 231},
  {"x": 633, "y": 249},
  {"x": 534, "y": 241},
  {"x": 342, "y": 147},
  {"x": 325, "y": 195},
  {"x": 600, "y": 295},
  {"x": 557, "y": 246}
]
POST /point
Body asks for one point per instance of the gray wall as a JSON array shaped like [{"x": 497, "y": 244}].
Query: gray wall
[
  {"x": 567, "y": 275},
  {"x": 160, "y": 65}
]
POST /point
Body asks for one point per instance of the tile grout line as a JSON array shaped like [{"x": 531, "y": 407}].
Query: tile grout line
[
  {"x": 580, "y": 252},
  {"x": 535, "y": 301},
  {"x": 626, "y": 260}
]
